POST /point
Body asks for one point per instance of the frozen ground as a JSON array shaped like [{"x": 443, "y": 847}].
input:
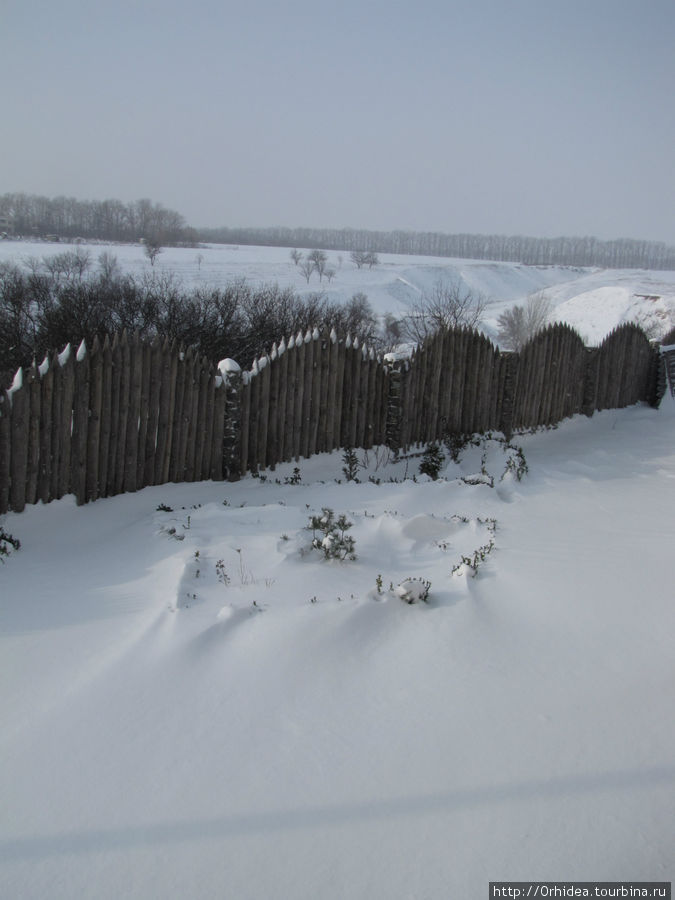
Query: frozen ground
[
  {"x": 592, "y": 300},
  {"x": 295, "y": 733}
]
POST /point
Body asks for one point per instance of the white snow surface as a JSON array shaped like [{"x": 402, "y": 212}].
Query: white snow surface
[
  {"x": 297, "y": 733},
  {"x": 592, "y": 300}
]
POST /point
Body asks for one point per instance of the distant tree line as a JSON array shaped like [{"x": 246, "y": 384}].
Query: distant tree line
[
  {"x": 48, "y": 303},
  {"x": 563, "y": 251},
  {"x": 107, "y": 220}
]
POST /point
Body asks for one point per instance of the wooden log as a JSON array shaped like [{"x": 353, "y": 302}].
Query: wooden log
[
  {"x": 19, "y": 427},
  {"x": 496, "y": 390},
  {"x": 264, "y": 411},
  {"x": 354, "y": 394},
  {"x": 559, "y": 384},
  {"x": 291, "y": 362},
  {"x": 150, "y": 452},
  {"x": 408, "y": 377},
  {"x": 80, "y": 426},
  {"x": 307, "y": 395},
  {"x": 106, "y": 417},
  {"x": 125, "y": 388},
  {"x": 116, "y": 384},
  {"x": 218, "y": 458},
  {"x": 57, "y": 404},
  {"x": 67, "y": 372},
  {"x": 187, "y": 432},
  {"x": 245, "y": 422},
  {"x": 196, "y": 450},
  {"x": 445, "y": 383},
  {"x": 370, "y": 433},
  {"x": 92, "y": 490},
  {"x": 458, "y": 381},
  {"x": 383, "y": 393},
  {"x": 144, "y": 413},
  {"x": 33, "y": 461},
  {"x": 622, "y": 366},
  {"x": 469, "y": 384},
  {"x": 325, "y": 413},
  {"x": 482, "y": 371},
  {"x": 361, "y": 399},
  {"x": 339, "y": 394},
  {"x": 319, "y": 348},
  {"x": 299, "y": 396},
  {"x": 133, "y": 413},
  {"x": 509, "y": 364},
  {"x": 46, "y": 430},
  {"x": 434, "y": 385},
  {"x": 282, "y": 401},
  {"x": 254, "y": 416},
  {"x": 400, "y": 403},
  {"x": 526, "y": 383},
  {"x": 331, "y": 391},
  {"x": 272, "y": 447},
  {"x": 207, "y": 397},
  {"x": 5, "y": 449},
  {"x": 604, "y": 374},
  {"x": 178, "y": 442},
  {"x": 549, "y": 377},
  {"x": 517, "y": 369},
  {"x": 346, "y": 394},
  {"x": 421, "y": 398},
  {"x": 539, "y": 369},
  {"x": 168, "y": 394}
]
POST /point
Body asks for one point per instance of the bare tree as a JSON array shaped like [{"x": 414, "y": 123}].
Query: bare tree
[
  {"x": 109, "y": 266},
  {"x": 330, "y": 274},
  {"x": 72, "y": 264},
  {"x": 372, "y": 260},
  {"x": 296, "y": 256},
  {"x": 449, "y": 305},
  {"x": 359, "y": 258},
  {"x": 307, "y": 267},
  {"x": 152, "y": 250},
  {"x": 520, "y": 324},
  {"x": 320, "y": 261}
]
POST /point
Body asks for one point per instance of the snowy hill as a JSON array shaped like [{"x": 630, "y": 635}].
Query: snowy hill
[{"x": 399, "y": 280}]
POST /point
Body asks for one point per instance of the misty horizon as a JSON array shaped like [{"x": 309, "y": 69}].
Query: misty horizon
[{"x": 527, "y": 119}]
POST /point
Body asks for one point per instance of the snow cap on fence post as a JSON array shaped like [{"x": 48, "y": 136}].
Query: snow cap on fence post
[{"x": 233, "y": 380}]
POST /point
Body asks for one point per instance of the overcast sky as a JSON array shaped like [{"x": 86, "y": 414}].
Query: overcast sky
[{"x": 510, "y": 116}]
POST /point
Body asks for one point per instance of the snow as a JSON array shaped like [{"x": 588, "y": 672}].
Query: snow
[
  {"x": 594, "y": 299},
  {"x": 196, "y": 703},
  {"x": 296, "y": 733}
]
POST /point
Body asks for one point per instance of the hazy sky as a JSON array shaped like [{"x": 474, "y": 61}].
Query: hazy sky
[{"x": 510, "y": 116}]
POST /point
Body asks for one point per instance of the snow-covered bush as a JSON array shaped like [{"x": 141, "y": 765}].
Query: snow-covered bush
[
  {"x": 329, "y": 535},
  {"x": 7, "y": 543},
  {"x": 432, "y": 461},
  {"x": 414, "y": 590},
  {"x": 351, "y": 464}
]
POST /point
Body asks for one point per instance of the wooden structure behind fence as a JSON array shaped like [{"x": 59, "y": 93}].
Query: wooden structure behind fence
[{"x": 124, "y": 414}]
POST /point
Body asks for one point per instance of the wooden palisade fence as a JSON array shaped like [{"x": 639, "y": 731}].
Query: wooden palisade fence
[{"x": 119, "y": 416}]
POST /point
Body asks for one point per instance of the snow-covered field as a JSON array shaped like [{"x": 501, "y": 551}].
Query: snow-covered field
[
  {"x": 295, "y": 733},
  {"x": 592, "y": 300},
  {"x": 195, "y": 703}
]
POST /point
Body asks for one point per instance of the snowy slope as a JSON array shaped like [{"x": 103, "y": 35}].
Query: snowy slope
[
  {"x": 294, "y": 733},
  {"x": 399, "y": 280}
]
